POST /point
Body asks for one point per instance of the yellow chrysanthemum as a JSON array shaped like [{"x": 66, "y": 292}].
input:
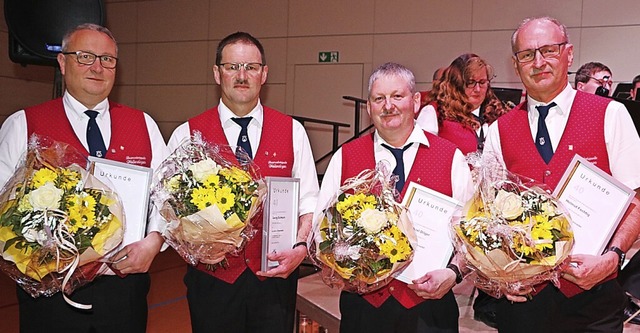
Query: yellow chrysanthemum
[
  {"x": 235, "y": 175},
  {"x": 81, "y": 211},
  {"x": 394, "y": 244},
  {"x": 225, "y": 199},
  {"x": 69, "y": 179},
  {"x": 203, "y": 197},
  {"x": 211, "y": 181},
  {"x": 43, "y": 176}
]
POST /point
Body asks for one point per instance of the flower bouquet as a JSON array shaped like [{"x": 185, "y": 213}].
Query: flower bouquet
[
  {"x": 56, "y": 221},
  {"x": 363, "y": 237},
  {"x": 208, "y": 201},
  {"x": 513, "y": 234}
]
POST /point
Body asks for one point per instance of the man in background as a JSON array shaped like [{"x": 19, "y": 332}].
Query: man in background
[
  {"x": 594, "y": 78},
  {"x": 88, "y": 63}
]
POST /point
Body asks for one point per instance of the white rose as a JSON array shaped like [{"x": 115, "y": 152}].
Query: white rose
[
  {"x": 204, "y": 169},
  {"x": 372, "y": 220},
  {"x": 509, "y": 204},
  {"x": 45, "y": 197}
]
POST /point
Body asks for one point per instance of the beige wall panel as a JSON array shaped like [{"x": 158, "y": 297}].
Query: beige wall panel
[
  {"x": 173, "y": 20},
  {"x": 126, "y": 70},
  {"x": 213, "y": 95},
  {"x": 422, "y": 15},
  {"x": 353, "y": 49},
  {"x": 331, "y": 17},
  {"x": 314, "y": 99},
  {"x": 605, "y": 13},
  {"x": 604, "y": 46},
  {"x": 495, "y": 48},
  {"x": 259, "y": 18},
  {"x": 422, "y": 53},
  {"x": 124, "y": 95},
  {"x": 172, "y": 63},
  {"x": 507, "y": 14},
  {"x": 275, "y": 49},
  {"x": 121, "y": 20},
  {"x": 18, "y": 94},
  {"x": 273, "y": 95},
  {"x": 172, "y": 103}
]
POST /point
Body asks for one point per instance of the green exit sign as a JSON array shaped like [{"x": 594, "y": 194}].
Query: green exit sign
[{"x": 328, "y": 56}]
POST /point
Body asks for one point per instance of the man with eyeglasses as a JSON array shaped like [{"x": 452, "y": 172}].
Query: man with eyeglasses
[
  {"x": 589, "y": 297},
  {"x": 88, "y": 63},
  {"x": 594, "y": 78},
  {"x": 241, "y": 298}
]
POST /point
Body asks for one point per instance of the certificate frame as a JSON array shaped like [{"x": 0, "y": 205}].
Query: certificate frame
[
  {"x": 133, "y": 185},
  {"x": 280, "y": 217},
  {"x": 431, "y": 213},
  {"x": 596, "y": 203}
]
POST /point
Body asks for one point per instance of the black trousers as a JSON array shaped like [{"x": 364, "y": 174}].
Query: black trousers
[
  {"x": 430, "y": 316},
  {"x": 629, "y": 277},
  {"x": 119, "y": 305},
  {"x": 595, "y": 310},
  {"x": 246, "y": 306}
]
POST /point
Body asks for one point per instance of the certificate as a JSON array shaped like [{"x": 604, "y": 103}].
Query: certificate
[
  {"x": 132, "y": 183},
  {"x": 280, "y": 224},
  {"x": 431, "y": 213},
  {"x": 596, "y": 202}
]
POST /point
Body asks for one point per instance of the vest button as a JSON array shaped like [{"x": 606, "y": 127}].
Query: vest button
[
  {"x": 391, "y": 289},
  {"x": 247, "y": 261},
  {"x": 547, "y": 173}
]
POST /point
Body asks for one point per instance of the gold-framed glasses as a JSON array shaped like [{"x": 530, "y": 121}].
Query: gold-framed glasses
[{"x": 249, "y": 67}]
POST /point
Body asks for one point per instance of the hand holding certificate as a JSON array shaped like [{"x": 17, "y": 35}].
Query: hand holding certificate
[
  {"x": 596, "y": 202},
  {"x": 431, "y": 213}
]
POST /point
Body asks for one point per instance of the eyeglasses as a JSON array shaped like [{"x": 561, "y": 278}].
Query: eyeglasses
[
  {"x": 472, "y": 84},
  {"x": 249, "y": 67},
  {"x": 605, "y": 81},
  {"x": 546, "y": 51},
  {"x": 88, "y": 58}
]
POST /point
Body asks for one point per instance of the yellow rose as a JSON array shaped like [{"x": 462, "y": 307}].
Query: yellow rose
[
  {"x": 203, "y": 169},
  {"x": 372, "y": 220},
  {"x": 45, "y": 197},
  {"x": 509, "y": 204}
]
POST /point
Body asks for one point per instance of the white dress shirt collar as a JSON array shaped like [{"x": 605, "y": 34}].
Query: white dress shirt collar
[
  {"x": 73, "y": 107},
  {"x": 226, "y": 114}
]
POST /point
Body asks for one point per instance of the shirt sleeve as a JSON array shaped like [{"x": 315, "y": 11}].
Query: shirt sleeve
[
  {"x": 461, "y": 181},
  {"x": 330, "y": 184},
  {"x": 13, "y": 144},
  {"x": 492, "y": 143},
  {"x": 428, "y": 119},
  {"x": 304, "y": 168},
  {"x": 623, "y": 145},
  {"x": 159, "y": 152}
]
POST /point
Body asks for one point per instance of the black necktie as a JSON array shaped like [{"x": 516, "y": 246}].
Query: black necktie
[
  {"x": 399, "y": 169},
  {"x": 480, "y": 136},
  {"x": 94, "y": 136},
  {"x": 243, "y": 138},
  {"x": 543, "y": 143}
]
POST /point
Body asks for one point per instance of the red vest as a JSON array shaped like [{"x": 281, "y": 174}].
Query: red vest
[
  {"x": 130, "y": 141},
  {"x": 465, "y": 138},
  {"x": 274, "y": 158},
  {"x": 583, "y": 135},
  {"x": 432, "y": 168}
]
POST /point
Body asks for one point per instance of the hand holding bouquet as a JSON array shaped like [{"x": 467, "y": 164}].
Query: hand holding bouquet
[
  {"x": 54, "y": 218},
  {"x": 208, "y": 201},
  {"x": 363, "y": 237},
  {"x": 513, "y": 235}
]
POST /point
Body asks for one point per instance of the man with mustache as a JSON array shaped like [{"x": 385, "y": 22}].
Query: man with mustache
[
  {"x": 538, "y": 139},
  {"x": 240, "y": 297},
  {"x": 428, "y": 304}
]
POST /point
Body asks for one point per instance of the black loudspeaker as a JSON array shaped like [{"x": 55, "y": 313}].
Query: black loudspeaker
[{"x": 36, "y": 27}]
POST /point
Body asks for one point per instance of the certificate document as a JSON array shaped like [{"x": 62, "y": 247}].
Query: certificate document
[
  {"x": 132, "y": 183},
  {"x": 596, "y": 203},
  {"x": 280, "y": 224},
  {"x": 431, "y": 213}
]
